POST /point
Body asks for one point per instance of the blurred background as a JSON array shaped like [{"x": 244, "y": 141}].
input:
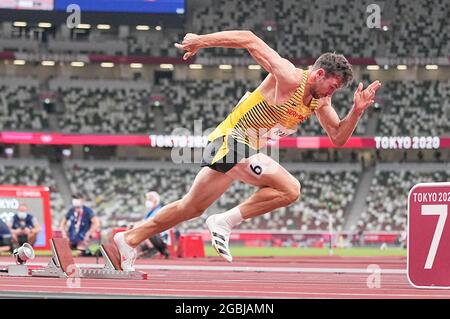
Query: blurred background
[{"x": 90, "y": 96}]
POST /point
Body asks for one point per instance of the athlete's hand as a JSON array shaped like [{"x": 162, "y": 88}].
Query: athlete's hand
[
  {"x": 190, "y": 44},
  {"x": 364, "y": 98}
]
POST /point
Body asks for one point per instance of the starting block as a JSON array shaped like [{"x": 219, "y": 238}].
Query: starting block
[{"x": 62, "y": 265}]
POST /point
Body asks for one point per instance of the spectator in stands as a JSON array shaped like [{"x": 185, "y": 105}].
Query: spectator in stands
[
  {"x": 5, "y": 237},
  {"x": 24, "y": 227},
  {"x": 158, "y": 241},
  {"x": 79, "y": 225}
]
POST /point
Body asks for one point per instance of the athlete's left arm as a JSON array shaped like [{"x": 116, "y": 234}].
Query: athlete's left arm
[{"x": 339, "y": 130}]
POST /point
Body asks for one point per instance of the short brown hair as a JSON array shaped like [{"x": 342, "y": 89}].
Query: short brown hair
[{"x": 335, "y": 64}]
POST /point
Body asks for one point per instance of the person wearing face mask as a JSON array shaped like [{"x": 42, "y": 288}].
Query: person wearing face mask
[
  {"x": 158, "y": 241},
  {"x": 152, "y": 203},
  {"x": 24, "y": 227},
  {"x": 79, "y": 224}
]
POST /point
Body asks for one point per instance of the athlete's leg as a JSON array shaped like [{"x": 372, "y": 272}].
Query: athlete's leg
[
  {"x": 277, "y": 188},
  {"x": 207, "y": 187}
]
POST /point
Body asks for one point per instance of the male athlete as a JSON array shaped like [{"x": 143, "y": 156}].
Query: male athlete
[{"x": 286, "y": 97}]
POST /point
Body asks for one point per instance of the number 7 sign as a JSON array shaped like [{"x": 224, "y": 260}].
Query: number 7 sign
[{"x": 429, "y": 235}]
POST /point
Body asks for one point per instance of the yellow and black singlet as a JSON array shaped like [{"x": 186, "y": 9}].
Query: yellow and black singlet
[{"x": 254, "y": 122}]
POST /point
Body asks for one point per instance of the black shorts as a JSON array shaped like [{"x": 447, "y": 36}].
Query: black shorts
[{"x": 236, "y": 152}]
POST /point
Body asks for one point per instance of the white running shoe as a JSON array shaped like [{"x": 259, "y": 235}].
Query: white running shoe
[
  {"x": 127, "y": 254},
  {"x": 220, "y": 235}
]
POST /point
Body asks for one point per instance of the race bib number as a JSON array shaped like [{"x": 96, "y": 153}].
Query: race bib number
[{"x": 277, "y": 132}]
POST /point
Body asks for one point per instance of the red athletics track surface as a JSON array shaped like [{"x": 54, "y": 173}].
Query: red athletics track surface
[{"x": 275, "y": 277}]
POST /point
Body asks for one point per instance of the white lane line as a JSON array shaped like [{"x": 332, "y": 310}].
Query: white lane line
[
  {"x": 226, "y": 292},
  {"x": 243, "y": 269}
]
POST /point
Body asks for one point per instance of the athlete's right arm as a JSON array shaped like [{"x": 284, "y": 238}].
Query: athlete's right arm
[{"x": 269, "y": 59}]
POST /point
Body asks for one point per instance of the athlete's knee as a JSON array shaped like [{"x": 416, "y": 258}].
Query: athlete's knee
[{"x": 291, "y": 193}]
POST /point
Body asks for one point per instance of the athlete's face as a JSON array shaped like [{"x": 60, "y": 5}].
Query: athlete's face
[{"x": 324, "y": 86}]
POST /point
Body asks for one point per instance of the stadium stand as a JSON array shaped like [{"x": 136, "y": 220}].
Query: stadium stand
[
  {"x": 104, "y": 106},
  {"x": 409, "y": 100},
  {"x": 19, "y": 105},
  {"x": 386, "y": 205},
  {"x": 117, "y": 190}
]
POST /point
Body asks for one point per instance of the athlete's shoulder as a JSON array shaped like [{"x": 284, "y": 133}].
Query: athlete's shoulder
[{"x": 292, "y": 79}]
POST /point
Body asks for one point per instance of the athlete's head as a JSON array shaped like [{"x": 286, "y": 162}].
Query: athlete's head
[{"x": 329, "y": 73}]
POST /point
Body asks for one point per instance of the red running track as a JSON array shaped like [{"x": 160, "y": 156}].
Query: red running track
[{"x": 275, "y": 277}]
